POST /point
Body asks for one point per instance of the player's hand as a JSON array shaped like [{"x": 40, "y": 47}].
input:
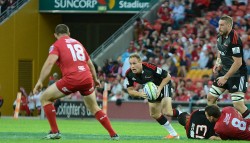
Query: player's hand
[
  {"x": 97, "y": 83},
  {"x": 221, "y": 80},
  {"x": 216, "y": 68},
  {"x": 38, "y": 87},
  {"x": 158, "y": 92},
  {"x": 214, "y": 138},
  {"x": 143, "y": 95}
]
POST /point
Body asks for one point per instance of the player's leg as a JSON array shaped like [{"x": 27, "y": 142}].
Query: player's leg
[
  {"x": 214, "y": 93},
  {"x": 167, "y": 102},
  {"x": 238, "y": 88},
  {"x": 239, "y": 104},
  {"x": 47, "y": 98},
  {"x": 167, "y": 108},
  {"x": 91, "y": 104},
  {"x": 155, "y": 112}
]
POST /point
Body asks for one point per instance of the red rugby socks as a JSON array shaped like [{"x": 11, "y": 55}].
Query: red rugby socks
[
  {"x": 50, "y": 113},
  {"x": 104, "y": 120}
]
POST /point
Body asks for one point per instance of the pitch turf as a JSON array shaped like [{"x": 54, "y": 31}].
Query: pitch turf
[{"x": 31, "y": 130}]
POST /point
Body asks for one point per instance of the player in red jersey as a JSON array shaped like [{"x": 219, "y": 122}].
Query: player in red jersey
[
  {"x": 229, "y": 124},
  {"x": 78, "y": 74}
]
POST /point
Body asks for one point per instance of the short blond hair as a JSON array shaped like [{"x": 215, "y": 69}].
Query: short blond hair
[
  {"x": 135, "y": 55},
  {"x": 228, "y": 19}
]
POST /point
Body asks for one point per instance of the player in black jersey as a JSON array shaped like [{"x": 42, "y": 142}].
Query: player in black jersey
[
  {"x": 197, "y": 126},
  {"x": 231, "y": 68},
  {"x": 142, "y": 72}
]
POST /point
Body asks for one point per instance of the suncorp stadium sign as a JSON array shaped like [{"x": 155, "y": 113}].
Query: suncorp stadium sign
[{"x": 93, "y": 6}]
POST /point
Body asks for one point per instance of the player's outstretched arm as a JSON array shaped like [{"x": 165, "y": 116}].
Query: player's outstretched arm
[
  {"x": 51, "y": 60},
  {"x": 93, "y": 71}
]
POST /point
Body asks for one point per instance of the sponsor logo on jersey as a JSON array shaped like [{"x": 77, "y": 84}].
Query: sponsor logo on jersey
[
  {"x": 81, "y": 68},
  {"x": 236, "y": 50},
  {"x": 192, "y": 130},
  {"x": 159, "y": 70},
  {"x": 148, "y": 76},
  {"x": 227, "y": 118},
  {"x": 70, "y": 40},
  {"x": 234, "y": 87},
  {"x": 65, "y": 89},
  {"x": 51, "y": 48},
  {"x": 133, "y": 78},
  {"x": 222, "y": 53}
]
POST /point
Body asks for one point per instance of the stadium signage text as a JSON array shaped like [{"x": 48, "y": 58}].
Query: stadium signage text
[
  {"x": 135, "y": 4},
  {"x": 75, "y": 3},
  {"x": 94, "y": 6},
  {"x": 74, "y": 109}
]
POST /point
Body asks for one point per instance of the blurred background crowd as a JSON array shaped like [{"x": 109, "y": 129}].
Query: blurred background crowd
[{"x": 182, "y": 40}]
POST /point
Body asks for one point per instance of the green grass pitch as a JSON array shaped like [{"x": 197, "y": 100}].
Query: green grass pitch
[{"x": 31, "y": 130}]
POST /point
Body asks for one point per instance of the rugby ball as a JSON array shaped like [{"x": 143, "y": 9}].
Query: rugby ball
[{"x": 151, "y": 90}]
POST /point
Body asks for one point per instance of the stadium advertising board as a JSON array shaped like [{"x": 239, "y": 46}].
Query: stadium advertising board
[
  {"x": 74, "y": 109},
  {"x": 92, "y": 6}
]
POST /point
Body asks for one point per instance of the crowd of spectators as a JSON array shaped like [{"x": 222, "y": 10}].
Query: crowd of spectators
[
  {"x": 182, "y": 38},
  {"x": 6, "y": 4}
]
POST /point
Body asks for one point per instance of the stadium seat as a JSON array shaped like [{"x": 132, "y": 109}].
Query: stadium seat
[{"x": 196, "y": 74}]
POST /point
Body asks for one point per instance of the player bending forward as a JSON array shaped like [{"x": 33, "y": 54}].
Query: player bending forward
[
  {"x": 142, "y": 73},
  {"x": 229, "y": 124},
  {"x": 197, "y": 126},
  {"x": 78, "y": 75}
]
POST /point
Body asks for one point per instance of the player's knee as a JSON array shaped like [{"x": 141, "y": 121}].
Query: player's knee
[
  {"x": 213, "y": 95},
  {"x": 215, "y": 91},
  {"x": 169, "y": 112},
  {"x": 155, "y": 116},
  {"x": 93, "y": 109},
  {"x": 211, "y": 99},
  {"x": 42, "y": 99}
]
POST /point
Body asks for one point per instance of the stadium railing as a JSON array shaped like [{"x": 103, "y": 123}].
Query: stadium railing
[
  {"x": 119, "y": 41},
  {"x": 12, "y": 10}
]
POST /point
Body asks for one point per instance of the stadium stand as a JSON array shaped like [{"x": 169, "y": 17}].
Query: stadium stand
[
  {"x": 187, "y": 52},
  {"x": 9, "y": 7}
]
